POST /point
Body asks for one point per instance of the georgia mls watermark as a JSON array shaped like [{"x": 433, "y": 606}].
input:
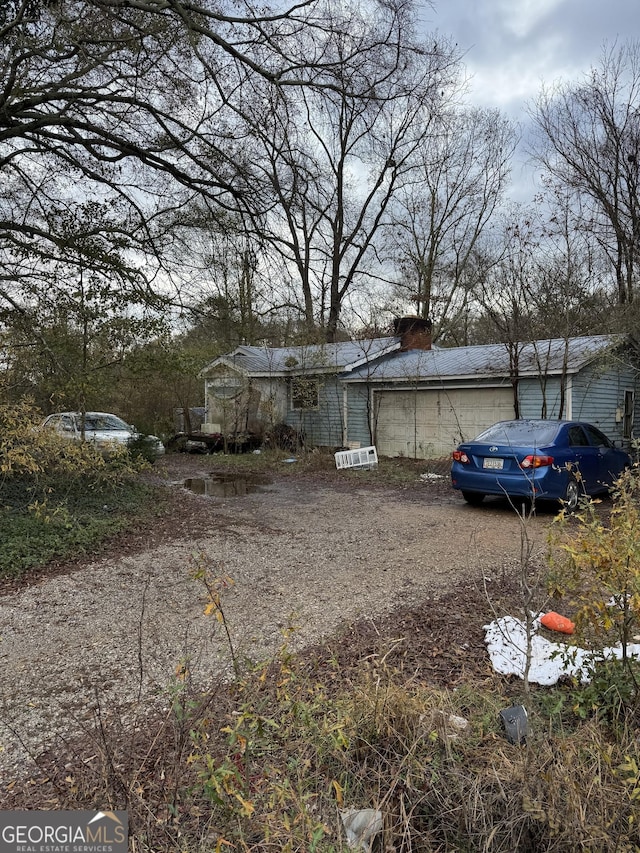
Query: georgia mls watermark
[{"x": 63, "y": 832}]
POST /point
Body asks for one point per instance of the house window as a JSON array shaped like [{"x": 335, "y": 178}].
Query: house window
[
  {"x": 627, "y": 423},
  {"x": 226, "y": 387},
  {"x": 304, "y": 393}
]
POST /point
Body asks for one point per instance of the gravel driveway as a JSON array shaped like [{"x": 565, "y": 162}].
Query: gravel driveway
[{"x": 312, "y": 553}]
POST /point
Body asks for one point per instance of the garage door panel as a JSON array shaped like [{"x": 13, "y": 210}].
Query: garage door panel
[{"x": 427, "y": 424}]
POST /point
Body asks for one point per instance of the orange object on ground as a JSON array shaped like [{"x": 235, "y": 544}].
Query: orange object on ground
[{"x": 555, "y": 622}]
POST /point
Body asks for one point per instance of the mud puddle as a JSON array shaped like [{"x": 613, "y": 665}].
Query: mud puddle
[{"x": 227, "y": 485}]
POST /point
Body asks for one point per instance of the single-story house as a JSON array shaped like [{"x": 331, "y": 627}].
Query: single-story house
[{"x": 411, "y": 399}]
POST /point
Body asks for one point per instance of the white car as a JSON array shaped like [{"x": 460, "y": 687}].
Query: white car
[{"x": 103, "y": 429}]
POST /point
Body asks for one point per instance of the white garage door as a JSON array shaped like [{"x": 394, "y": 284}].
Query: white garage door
[{"x": 429, "y": 424}]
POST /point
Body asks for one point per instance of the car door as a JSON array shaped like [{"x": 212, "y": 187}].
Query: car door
[
  {"x": 609, "y": 459},
  {"x": 586, "y": 458}
]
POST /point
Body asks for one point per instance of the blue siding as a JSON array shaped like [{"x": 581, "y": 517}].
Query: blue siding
[
  {"x": 322, "y": 427},
  {"x": 533, "y": 394},
  {"x": 598, "y": 395}
]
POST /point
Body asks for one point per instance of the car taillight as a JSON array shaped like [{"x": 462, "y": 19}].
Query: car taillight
[
  {"x": 536, "y": 461},
  {"x": 461, "y": 456}
]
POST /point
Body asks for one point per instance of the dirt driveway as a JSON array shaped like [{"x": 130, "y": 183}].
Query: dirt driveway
[{"x": 310, "y": 552}]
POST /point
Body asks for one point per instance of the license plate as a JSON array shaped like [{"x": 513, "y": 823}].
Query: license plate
[{"x": 493, "y": 463}]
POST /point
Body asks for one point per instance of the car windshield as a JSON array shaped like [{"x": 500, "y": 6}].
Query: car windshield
[
  {"x": 97, "y": 422},
  {"x": 530, "y": 433}
]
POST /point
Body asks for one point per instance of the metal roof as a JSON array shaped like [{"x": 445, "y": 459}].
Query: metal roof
[
  {"x": 359, "y": 361},
  {"x": 486, "y": 361},
  {"x": 317, "y": 358}
]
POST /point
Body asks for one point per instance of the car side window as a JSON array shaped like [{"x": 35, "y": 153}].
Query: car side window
[
  {"x": 598, "y": 438},
  {"x": 66, "y": 423},
  {"x": 577, "y": 438}
]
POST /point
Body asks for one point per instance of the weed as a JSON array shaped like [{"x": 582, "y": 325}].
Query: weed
[
  {"x": 596, "y": 562},
  {"x": 215, "y": 583}
]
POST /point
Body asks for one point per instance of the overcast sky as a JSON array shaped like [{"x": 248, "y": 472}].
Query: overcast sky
[{"x": 512, "y": 46}]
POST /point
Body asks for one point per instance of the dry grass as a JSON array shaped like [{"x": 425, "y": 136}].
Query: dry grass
[
  {"x": 267, "y": 763},
  {"x": 389, "y": 472}
]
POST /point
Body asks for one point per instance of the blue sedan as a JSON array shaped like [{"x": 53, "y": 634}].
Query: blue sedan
[{"x": 541, "y": 459}]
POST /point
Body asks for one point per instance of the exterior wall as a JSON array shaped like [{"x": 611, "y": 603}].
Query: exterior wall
[
  {"x": 236, "y": 404},
  {"x": 227, "y": 402},
  {"x": 360, "y": 426},
  {"x": 344, "y": 415},
  {"x": 322, "y": 427},
  {"x": 533, "y": 394},
  {"x": 599, "y": 393},
  {"x": 272, "y": 408},
  {"x": 596, "y": 395}
]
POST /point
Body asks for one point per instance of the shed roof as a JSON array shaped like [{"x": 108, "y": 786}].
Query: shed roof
[
  {"x": 487, "y": 361},
  {"x": 316, "y": 358}
]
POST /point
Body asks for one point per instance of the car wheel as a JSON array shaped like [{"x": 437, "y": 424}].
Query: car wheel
[
  {"x": 571, "y": 495},
  {"x": 473, "y": 498}
]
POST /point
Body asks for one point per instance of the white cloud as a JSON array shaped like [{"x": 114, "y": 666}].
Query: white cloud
[
  {"x": 514, "y": 47},
  {"x": 520, "y": 18}
]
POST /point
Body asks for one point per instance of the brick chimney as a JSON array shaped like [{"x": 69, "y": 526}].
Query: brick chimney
[{"x": 414, "y": 333}]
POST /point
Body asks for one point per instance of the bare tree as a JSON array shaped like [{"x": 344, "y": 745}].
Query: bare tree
[
  {"x": 135, "y": 102},
  {"x": 335, "y": 154},
  {"x": 588, "y": 139},
  {"x": 537, "y": 283},
  {"x": 504, "y": 269},
  {"x": 568, "y": 295},
  {"x": 440, "y": 214},
  {"x": 64, "y": 342}
]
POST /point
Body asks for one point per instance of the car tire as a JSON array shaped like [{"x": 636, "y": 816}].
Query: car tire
[
  {"x": 571, "y": 495},
  {"x": 473, "y": 498}
]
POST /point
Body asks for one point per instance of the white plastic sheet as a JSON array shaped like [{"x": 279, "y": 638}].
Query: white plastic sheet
[{"x": 506, "y": 640}]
